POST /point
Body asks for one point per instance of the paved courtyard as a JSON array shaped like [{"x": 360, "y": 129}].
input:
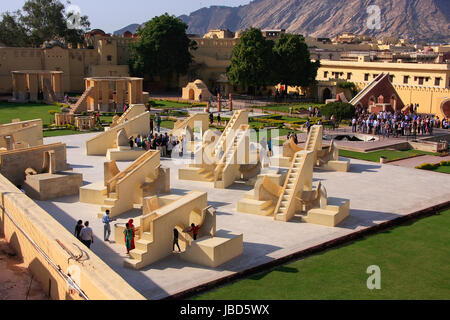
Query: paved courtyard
[{"x": 377, "y": 193}]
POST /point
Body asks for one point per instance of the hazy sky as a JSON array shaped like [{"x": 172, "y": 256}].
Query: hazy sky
[{"x": 111, "y": 15}]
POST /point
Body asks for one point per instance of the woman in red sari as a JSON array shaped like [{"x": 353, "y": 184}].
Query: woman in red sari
[{"x": 130, "y": 223}]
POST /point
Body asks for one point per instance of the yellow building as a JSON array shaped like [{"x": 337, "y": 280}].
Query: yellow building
[
  {"x": 425, "y": 84},
  {"x": 102, "y": 56}
]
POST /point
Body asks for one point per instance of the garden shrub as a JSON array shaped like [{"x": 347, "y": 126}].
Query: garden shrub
[{"x": 340, "y": 110}]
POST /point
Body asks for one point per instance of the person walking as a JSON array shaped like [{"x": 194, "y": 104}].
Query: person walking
[
  {"x": 106, "y": 219},
  {"x": 87, "y": 235},
  {"x": 129, "y": 238},
  {"x": 78, "y": 229},
  {"x": 175, "y": 240}
]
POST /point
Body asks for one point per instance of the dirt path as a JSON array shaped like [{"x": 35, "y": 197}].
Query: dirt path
[{"x": 16, "y": 282}]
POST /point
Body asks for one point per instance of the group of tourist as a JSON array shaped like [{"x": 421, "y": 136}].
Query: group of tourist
[
  {"x": 396, "y": 124},
  {"x": 165, "y": 143},
  {"x": 85, "y": 234}
]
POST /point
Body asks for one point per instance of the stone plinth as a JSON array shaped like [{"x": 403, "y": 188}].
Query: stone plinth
[
  {"x": 214, "y": 251},
  {"x": 48, "y": 186}
]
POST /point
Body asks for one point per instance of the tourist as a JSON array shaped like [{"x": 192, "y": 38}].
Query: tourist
[
  {"x": 310, "y": 109},
  {"x": 129, "y": 238},
  {"x": 106, "y": 227},
  {"x": 78, "y": 229},
  {"x": 151, "y": 126},
  {"x": 87, "y": 235},
  {"x": 308, "y": 126},
  {"x": 131, "y": 142},
  {"x": 269, "y": 145},
  {"x": 194, "y": 229},
  {"x": 158, "y": 122},
  {"x": 218, "y": 119},
  {"x": 175, "y": 240},
  {"x": 170, "y": 146},
  {"x": 211, "y": 118},
  {"x": 354, "y": 124}
]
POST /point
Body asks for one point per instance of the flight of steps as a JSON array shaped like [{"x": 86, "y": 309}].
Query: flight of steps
[
  {"x": 142, "y": 247},
  {"x": 260, "y": 207},
  {"x": 78, "y": 107},
  {"x": 206, "y": 174},
  {"x": 286, "y": 200},
  {"x": 312, "y": 138},
  {"x": 227, "y": 131},
  {"x": 228, "y": 158}
]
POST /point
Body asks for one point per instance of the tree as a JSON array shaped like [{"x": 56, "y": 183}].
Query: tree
[
  {"x": 293, "y": 66},
  {"x": 340, "y": 110},
  {"x": 162, "y": 49},
  {"x": 39, "y": 21},
  {"x": 47, "y": 19},
  {"x": 252, "y": 61},
  {"x": 12, "y": 32}
]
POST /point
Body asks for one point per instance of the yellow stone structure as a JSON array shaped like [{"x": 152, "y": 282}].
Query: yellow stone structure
[
  {"x": 186, "y": 127},
  {"x": 296, "y": 197},
  {"x": 154, "y": 232},
  {"x": 62, "y": 119},
  {"x": 426, "y": 84},
  {"x": 196, "y": 91},
  {"x": 85, "y": 123},
  {"x": 101, "y": 143},
  {"x": 121, "y": 191},
  {"x": 109, "y": 94},
  {"x": 21, "y": 134},
  {"x": 227, "y": 158},
  {"x": 326, "y": 158},
  {"x": 133, "y": 110},
  {"x": 37, "y": 85},
  {"x": 22, "y": 217}
]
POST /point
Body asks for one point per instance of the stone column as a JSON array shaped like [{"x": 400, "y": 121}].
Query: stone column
[
  {"x": 219, "y": 103},
  {"x": 33, "y": 85},
  {"x": 57, "y": 86},
  {"x": 105, "y": 95},
  {"x": 21, "y": 87},
  {"x": 131, "y": 93},
  {"x": 120, "y": 94}
]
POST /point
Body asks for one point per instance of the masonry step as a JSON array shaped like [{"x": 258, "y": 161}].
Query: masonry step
[
  {"x": 137, "y": 254},
  {"x": 147, "y": 236},
  {"x": 142, "y": 244}
]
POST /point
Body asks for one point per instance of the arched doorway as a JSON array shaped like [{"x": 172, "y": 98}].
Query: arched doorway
[
  {"x": 191, "y": 94},
  {"x": 393, "y": 102},
  {"x": 326, "y": 94},
  {"x": 445, "y": 108}
]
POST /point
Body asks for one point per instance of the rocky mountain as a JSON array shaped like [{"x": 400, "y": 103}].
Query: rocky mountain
[
  {"x": 132, "y": 28},
  {"x": 416, "y": 19}
]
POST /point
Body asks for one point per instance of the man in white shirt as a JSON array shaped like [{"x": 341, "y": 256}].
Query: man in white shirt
[{"x": 87, "y": 235}]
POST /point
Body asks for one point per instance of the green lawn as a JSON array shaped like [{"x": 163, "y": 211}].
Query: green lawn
[
  {"x": 284, "y": 107},
  {"x": 168, "y": 104},
  {"x": 389, "y": 154},
  {"x": 167, "y": 124},
  {"x": 27, "y": 111},
  {"x": 443, "y": 169},
  {"x": 414, "y": 261}
]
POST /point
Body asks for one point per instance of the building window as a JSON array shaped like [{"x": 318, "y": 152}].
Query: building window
[
  {"x": 391, "y": 78},
  {"x": 349, "y": 75},
  {"x": 366, "y": 77},
  {"x": 437, "y": 81},
  {"x": 375, "y": 75},
  {"x": 421, "y": 80},
  {"x": 405, "y": 79},
  {"x": 325, "y": 74},
  {"x": 109, "y": 58}
]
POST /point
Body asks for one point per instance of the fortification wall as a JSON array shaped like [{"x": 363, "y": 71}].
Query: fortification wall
[{"x": 19, "y": 215}]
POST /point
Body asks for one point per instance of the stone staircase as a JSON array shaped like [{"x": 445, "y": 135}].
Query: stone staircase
[
  {"x": 285, "y": 208},
  {"x": 81, "y": 106},
  {"x": 228, "y": 129}
]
